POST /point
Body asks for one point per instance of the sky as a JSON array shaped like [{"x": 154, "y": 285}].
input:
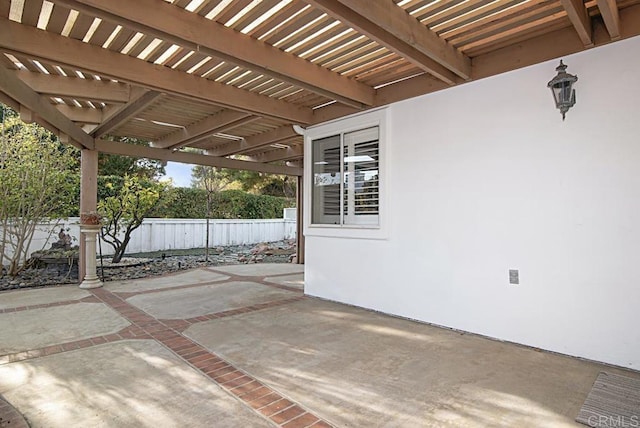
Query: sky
[{"x": 180, "y": 173}]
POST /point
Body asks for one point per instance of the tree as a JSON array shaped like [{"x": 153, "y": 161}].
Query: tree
[
  {"x": 211, "y": 179},
  {"x": 38, "y": 178},
  {"x": 126, "y": 209},
  {"x": 261, "y": 183},
  {"x": 118, "y": 165}
]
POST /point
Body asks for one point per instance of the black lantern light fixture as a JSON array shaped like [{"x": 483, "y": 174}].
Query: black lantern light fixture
[{"x": 562, "y": 89}]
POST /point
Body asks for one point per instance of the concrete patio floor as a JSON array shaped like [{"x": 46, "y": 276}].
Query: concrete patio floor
[{"x": 241, "y": 346}]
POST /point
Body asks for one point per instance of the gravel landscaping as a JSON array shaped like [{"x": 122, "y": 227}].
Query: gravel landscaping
[{"x": 150, "y": 264}]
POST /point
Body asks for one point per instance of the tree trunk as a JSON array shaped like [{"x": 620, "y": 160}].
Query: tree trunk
[{"x": 117, "y": 256}]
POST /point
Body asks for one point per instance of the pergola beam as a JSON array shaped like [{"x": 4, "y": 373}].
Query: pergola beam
[
  {"x": 75, "y": 87},
  {"x": 254, "y": 142},
  {"x": 391, "y": 26},
  {"x": 119, "y": 148},
  {"x": 81, "y": 115},
  {"x": 27, "y": 97},
  {"x": 29, "y": 41},
  {"x": 611, "y": 17},
  {"x": 215, "y": 123},
  {"x": 126, "y": 113},
  {"x": 197, "y": 33},
  {"x": 289, "y": 153},
  {"x": 579, "y": 17}
]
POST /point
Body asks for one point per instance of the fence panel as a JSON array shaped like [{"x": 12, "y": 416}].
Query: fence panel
[{"x": 156, "y": 234}]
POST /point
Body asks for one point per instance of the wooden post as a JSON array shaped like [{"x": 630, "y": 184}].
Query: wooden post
[
  {"x": 300, "y": 220},
  {"x": 88, "y": 198}
]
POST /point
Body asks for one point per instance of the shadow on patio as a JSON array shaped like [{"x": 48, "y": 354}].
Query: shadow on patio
[{"x": 240, "y": 346}]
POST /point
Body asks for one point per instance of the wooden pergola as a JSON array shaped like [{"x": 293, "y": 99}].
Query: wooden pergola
[{"x": 231, "y": 77}]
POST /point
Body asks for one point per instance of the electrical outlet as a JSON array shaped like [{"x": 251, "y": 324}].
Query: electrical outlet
[{"x": 514, "y": 276}]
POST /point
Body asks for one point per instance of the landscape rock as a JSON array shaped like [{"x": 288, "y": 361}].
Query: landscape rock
[{"x": 147, "y": 265}]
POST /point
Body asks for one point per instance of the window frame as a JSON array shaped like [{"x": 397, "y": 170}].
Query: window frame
[{"x": 352, "y": 123}]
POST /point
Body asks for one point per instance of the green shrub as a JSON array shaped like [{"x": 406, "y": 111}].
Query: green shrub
[{"x": 227, "y": 204}]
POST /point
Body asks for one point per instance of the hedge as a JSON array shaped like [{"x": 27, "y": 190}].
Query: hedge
[{"x": 183, "y": 202}]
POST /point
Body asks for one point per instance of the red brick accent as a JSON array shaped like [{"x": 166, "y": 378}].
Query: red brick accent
[
  {"x": 302, "y": 421},
  {"x": 88, "y": 299},
  {"x": 276, "y": 407},
  {"x": 246, "y": 388},
  {"x": 287, "y": 415}
]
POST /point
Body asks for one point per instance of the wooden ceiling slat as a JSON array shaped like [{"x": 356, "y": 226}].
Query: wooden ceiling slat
[
  {"x": 493, "y": 19},
  {"x": 181, "y": 3},
  {"x": 435, "y": 8},
  {"x": 398, "y": 71},
  {"x": 141, "y": 45},
  {"x": 191, "y": 61},
  {"x": 31, "y": 12},
  {"x": 220, "y": 69},
  {"x": 206, "y": 7},
  {"x": 478, "y": 14},
  {"x": 245, "y": 79},
  {"x": 458, "y": 10},
  {"x": 102, "y": 33},
  {"x": 320, "y": 52},
  {"x": 275, "y": 20},
  {"x": 344, "y": 51},
  {"x": 319, "y": 40},
  {"x": 525, "y": 35},
  {"x": 292, "y": 26},
  {"x": 307, "y": 32},
  {"x": 351, "y": 54},
  {"x": 274, "y": 89},
  {"x": 362, "y": 61},
  {"x": 550, "y": 20},
  {"x": 27, "y": 63},
  {"x": 258, "y": 83},
  {"x": 5, "y": 8},
  {"x": 254, "y": 14},
  {"x": 6, "y": 62},
  {"x": 232, "y": 10},
  {"x": 51, "y": 69},
  {"x": 230, "y": 75},
  {"x": 58, "y": 18},
  {"x": 158, "y": 51},
  {"x": 176, "y": 57},
  {"x": 121, "y": 40},
  {"x": 373, "y": 66},
  {"x": 81, "y": 26}
]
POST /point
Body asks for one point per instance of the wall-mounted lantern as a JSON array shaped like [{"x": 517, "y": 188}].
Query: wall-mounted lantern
[{"x": 562, "y": 89}]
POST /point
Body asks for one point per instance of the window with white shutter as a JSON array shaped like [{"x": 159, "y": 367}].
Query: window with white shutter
[{"x": 345, "y": 186}]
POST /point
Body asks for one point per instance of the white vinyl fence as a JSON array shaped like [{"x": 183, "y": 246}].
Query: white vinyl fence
[{"x": 157, "y": 234}]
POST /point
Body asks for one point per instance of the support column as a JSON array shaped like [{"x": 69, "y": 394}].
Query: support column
[
  {"x": 90, "y": 277},
  {"x": 88, "y": 202},
  {"x": 300, "y": 220}
]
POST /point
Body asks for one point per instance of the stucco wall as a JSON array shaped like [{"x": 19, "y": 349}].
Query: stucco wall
[{"x": 485, "y": 177}]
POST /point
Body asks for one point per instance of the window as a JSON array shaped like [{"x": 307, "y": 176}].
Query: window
[{"x": 345, "y": 178}]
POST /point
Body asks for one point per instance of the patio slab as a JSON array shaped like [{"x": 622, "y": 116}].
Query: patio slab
[
  {"x": 125, "y": 384},
  {"x": 207, "y": 299},
  {"x": 261, "y": 269},
  {"x": 40, "y": 296},
  {"x": 196, "y": 276},
  {"x": 358, "y": 368},
  {"x": 37, "y": 328},
  {"x": 295, "y": 280}
]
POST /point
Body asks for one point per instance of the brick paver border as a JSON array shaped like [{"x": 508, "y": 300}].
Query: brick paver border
[{"x": 250, "y": 391}]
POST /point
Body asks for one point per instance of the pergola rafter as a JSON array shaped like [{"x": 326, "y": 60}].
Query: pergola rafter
[
  {"x": 231, "y": 77},
  {"x": 211, "y": 38}
]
